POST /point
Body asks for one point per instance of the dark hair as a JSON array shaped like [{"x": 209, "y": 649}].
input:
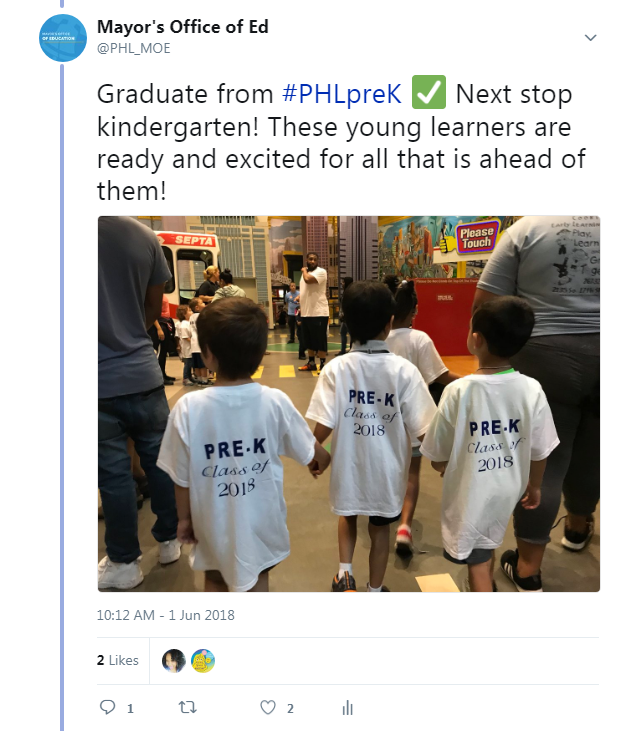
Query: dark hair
[
  {"x": 193, "y": 303},
  {"x": 506, "y": 324},
  {"x": 391, "y": 281},
  {"x": 226, "y": 276},
  {"x": 235, "y": 331},
  {"x": 347, "y": 281},
  {"x": 176, "y": 655},
  {"x": 181, "y": 312},
  {"x": 406, "y": 300},
  {"x": 312, "y": 253},
  {"x": 367, "y": 309}
]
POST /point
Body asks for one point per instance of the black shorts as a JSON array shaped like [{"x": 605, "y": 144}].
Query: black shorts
[
  {"x": 478, "y": 555},
  {"x": 198, "y": 361},
  {"x": 315, "y": 332},
  {"x": 380, "y": 522}
]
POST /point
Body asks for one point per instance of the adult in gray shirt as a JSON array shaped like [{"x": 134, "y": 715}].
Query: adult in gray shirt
[
  {"x": 131, "y": 399},
  {"x": 554, "y": 263}
]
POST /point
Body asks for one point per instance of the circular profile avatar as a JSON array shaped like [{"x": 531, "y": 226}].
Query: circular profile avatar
[
  {"x": 173, "y": 661},
  {"x": 203, "y": 661},
  {"x": 63, "y": 38}
]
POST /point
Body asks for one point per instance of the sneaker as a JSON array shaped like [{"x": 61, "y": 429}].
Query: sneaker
[
  {"x": 574, "y": 541},
  {"x": 383, "y": 588},
  {"x": 302, "y": 356},
  {"x": 187, "y": 382},
  {"x": 170, "y": 551},
  {"x": 168, "y": 382},
  {"x": 509, "y": 561},
  {"x": 308, "y": 367},
  {"x": 111, "y": 575},
  {"x": 345, "y": 583},
  {"x": 290, "y": 342},
  {"x": 403, "y": 544}
]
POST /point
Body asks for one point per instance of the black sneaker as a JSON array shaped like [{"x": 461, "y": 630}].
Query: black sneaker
[
  {"x": 574, "y": 541},
  {"x": 509, "y": 561},
  {"x": 308, "y": 367},
  {"x": 345, "y": 583},
  {"x": 302, "y": 356}
]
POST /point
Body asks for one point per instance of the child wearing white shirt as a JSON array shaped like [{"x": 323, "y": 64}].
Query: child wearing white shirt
[
  {"x": 376, "y": 402},
  {"x": 184, "y": 334},
  {"x": 417, "y": 347},
  {"x": 222, "y": 447},
  {"x": 490, "y": 440},
  {"x": 196, "y": 305}
]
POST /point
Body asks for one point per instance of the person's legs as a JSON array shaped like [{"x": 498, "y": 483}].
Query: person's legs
[
  {"x": 163, "y": 349},
  {"x": 116, "y": 483},
  {"x": 379, "y": 552},
  {"x": 292, "y": 322},
  {"x": 188, "y": 367},
  {"x": 308, "y": 325},
  {"x": 412, "y": 493},
  {"x": 347, "y": 533},
  {"x": 149, "y": 418},
  {"x": 302, "y": 340},
  {"x": 481, "y": 575},
  {"x": 322, "y": 337},
  {"x": 214, "y": 581},
  {"x": 262, "y": 583}
]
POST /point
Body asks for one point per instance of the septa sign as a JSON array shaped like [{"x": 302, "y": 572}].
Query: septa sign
[
  {"x": 478, "y": 237},
  {"x": 170, "y": 238}
]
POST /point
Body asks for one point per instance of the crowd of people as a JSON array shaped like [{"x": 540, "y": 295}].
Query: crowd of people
[{"x": 510, "y": 439}]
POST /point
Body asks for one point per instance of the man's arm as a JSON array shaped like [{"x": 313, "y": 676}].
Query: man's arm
[
  {"x": 482, "y": 296},
  {"x": 153, "y": 304},
  {"x": 308, "y": 278}
]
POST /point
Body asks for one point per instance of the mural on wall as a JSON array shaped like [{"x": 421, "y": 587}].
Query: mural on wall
[
  {"x": 285, "y": 236},
  {"x": 426, "y": 246}
]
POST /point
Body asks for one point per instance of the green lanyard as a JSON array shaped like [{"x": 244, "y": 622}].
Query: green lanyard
[{"x": 509, "y": 370}]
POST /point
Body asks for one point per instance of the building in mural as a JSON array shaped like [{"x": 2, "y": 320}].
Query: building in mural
[
  {"x": 285, "y": 243},
  {"x": 358, "y": 247},
  {"x": 320, "y": 234}
]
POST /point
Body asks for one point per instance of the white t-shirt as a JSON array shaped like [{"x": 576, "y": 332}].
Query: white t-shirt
[
  {"x": 417, "y": 347},
  {"x": 224, "y": 445},
  {"x": 313, "y": 299},
  {"x": 488, "y": 429},
  {"x": 185, "y": 334},
  {"x": 376, "y": 403},
  {"x": 194, "y": 339}
]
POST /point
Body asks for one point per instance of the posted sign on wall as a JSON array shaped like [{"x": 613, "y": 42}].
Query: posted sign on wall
[{"x": 477, "y": 238}]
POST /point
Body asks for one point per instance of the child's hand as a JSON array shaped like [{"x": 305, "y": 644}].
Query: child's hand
[
  {"x": 185, "y": 532},
  {"x": 313, "y": 467},
  {"x": 532, "y": 497},
  {"x": 440, "y": 467}
]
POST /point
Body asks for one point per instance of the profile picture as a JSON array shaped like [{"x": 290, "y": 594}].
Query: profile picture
[
  {"x": 173, "y": 661},
  {"x": 203, "y": 661}
]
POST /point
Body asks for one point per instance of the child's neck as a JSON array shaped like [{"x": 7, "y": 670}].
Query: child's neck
[
  {"x": 222, "y": 380},
  {"x": 490, "y": 364},
  {"x": 399, "y": 324}
]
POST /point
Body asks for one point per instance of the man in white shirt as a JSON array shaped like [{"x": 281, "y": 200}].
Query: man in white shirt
[{"x": 314, "y": 312}]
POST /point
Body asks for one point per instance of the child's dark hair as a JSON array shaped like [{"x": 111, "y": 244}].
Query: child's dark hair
[
  {"x": 235, "y": 331},
  {"x": 406, "y": 301},
  {"x": 347, "y": 281},
  {"x": 181, "y": 313},
  {"x": 367, "y": 309},
  {"x": 392, "y": 281},
  {"x": 226, "y": 276},
  {"x": 506, "y": 323},
  {"x": 193, "y": 303},
  {"x": 177, "y": 656}
]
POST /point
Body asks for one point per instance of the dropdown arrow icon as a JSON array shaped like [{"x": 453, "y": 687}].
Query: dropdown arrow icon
[{"x": 588, "y": 38}]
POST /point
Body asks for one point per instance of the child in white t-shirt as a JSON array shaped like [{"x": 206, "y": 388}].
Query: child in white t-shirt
[
  {"x": 196, "y": 305},
  {"x": 490, "y": 440},
  {"x": 184, "y": 335},
  {"x": 222, "y": 447},
  {"x": 417, "y": 347},
  {"x": 376, "y": 402}
]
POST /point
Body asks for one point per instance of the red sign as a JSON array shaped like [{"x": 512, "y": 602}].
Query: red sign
[
  {"x": 170, "y": 238},
  {"x": 476, "y": 238}
]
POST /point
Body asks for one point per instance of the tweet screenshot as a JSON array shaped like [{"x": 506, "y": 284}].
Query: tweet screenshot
[{"x": 243, "y": 416}]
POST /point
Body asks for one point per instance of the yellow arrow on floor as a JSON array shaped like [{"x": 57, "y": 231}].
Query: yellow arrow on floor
[
  {"x": 287, "y": 371},
  {"x": 258, "y": 372}
]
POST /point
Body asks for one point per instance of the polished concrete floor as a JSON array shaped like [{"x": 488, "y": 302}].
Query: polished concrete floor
[{"x": 313, "y": 528}]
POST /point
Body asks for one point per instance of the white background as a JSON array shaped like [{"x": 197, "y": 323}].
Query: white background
[{"x": 367, "y": 44}]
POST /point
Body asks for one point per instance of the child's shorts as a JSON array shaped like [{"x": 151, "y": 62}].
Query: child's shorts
[
  {"x": 380, "y": 522},
  {"x": 416, "y": 452},
  {"x": 478, "y": 555},
  {"x": 198, "y": 361}
]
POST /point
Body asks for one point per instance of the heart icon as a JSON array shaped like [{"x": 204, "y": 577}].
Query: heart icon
[{"x": 268, "y": 707}]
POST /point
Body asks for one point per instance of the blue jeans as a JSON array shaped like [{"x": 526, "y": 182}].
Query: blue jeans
[
  {"x": 143, "y": 417},
  {"x": 188, "y": 369}
]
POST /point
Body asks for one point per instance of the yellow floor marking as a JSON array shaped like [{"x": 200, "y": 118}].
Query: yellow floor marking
[
  {"x": 287, "y": 371},
  {"x": 437, "y": 583},
  {"x": 258, "y": 372},
  {"x": 316, "y": 373}
]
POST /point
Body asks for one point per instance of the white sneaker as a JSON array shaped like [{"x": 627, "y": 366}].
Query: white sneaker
[
  {"x": 123, "y": 576},
  {"x": 170, "y": 551}
]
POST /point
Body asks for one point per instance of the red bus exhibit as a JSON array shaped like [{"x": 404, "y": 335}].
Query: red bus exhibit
[{"x": 187, "y": 256}]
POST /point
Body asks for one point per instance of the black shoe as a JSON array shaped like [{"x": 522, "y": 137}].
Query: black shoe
[
  {"x": 290, "y": 342},
  {"x": 345, "y": 583},
  {"x": 302, "y": 356},
  {"x": 308, "y": 367},
  {"x": 168, "y": 382},
  {"x": 509, "y": 562},
  {"x": 574, "y": 541}
]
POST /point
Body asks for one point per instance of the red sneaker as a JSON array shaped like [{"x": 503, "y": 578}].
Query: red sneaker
[{"x": 403, "y": 544}]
